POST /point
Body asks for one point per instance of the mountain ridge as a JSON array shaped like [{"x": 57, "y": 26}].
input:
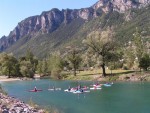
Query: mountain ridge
[{"x": 50, "y": 21}]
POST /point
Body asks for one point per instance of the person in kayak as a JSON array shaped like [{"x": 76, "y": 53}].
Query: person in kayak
[
  {"x": 85, "y": 87},
  {"x": 35, "y": 89},
  {"x": 97, "y": 84},
  {"x": 79, "y": 87},
  {"x": 69, "y": 88},
  {"x": 81, "y": 90},
  {"x": 54, "y": 88}
]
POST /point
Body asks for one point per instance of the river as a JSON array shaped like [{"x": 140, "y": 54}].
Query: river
[{"x": 121, "y": 97}]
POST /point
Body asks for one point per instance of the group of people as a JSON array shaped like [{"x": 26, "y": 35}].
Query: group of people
[{"x": 78, "y": 88}]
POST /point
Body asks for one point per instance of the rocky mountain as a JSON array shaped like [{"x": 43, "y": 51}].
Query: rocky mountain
[{"x": 48, "y": 25}]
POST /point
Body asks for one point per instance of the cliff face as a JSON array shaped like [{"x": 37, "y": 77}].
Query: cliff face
[
  {"x": 49, "y": 21},
  {"x": 144, "y": 2}
]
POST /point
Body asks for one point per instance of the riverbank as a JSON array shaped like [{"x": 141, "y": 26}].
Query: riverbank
[
  {"x": 117, "y": 75},
  {"x": 6, "y": 79},
  {"x": 94, "y": 75},
  {"x": 12, "y": 105}
]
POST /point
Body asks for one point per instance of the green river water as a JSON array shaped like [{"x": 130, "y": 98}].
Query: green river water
[{"x": 121, "y": 97}]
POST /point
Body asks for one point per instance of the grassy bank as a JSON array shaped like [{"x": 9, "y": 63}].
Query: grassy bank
[{"x": 95, "y": 74}]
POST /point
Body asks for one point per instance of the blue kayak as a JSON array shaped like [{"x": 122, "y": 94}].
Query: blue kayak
[
  {"x": 77, "y": 92},
  {"x": 107, "y": 85}
]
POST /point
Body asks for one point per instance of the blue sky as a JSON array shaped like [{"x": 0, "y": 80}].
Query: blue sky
[{"x": 13, "y": 11}]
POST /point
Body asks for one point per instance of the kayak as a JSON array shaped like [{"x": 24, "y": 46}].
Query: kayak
[
  {"x": 54, "y": 89},
  {"x": 87, "y": 91},
  {"x": 77, "y": 92},
  {"x": 71, "y": 90},
  {"x": 97, "y": 85},
  {"x": 66, "y": 90},
  {"x": 107, "y": 85},
  {"x": 35, "y": 90},
  {"x": 94, "y": 88}
]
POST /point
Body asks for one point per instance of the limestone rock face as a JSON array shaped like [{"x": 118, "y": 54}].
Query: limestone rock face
[
  {"x": 144, "y": 1},
  {"x": 3, "y": 42},
  {"x": 86, "y": 13},
  {"x": 49, "y": 21},
  {"x": 116, "y": 5},
  {"x": 123, "y": 5},
  {"x": 105, "y": 5}
]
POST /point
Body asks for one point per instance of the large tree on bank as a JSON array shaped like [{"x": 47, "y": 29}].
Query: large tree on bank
[
  {"x": 101, "y": 44},
  {"x": 28, "y": 64},
  {"x": 9, "y": 65}
]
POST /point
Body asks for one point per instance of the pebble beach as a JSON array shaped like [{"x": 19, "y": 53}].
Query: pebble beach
[{"x": 10, "y": 104}]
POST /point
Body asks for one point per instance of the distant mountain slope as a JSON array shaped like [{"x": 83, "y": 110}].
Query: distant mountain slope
[
  {"x": 54, "y": 30},
  {"x": 43, "y": 44}
]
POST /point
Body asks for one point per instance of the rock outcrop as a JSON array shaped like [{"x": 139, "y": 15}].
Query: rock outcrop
[
  {"x": 49, "y": 21},
  {"x": 144, "y": 2}
]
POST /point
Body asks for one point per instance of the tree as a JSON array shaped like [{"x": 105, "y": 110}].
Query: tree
[
  {"x": 88, "y": 59},
  {"x": 9, "y": 65},
  {"x": 55, "y": 65},
  {"x": 113, "y": 60},
  {"x": 74, "y": 60},
  {"x": 28, "y": 64},
  {"x": 44, "y": 66},
  {"x": 134, "y": 51},
  {"x": 138, "y": 45},
  {"x": 145, "y": 62},
  {"x": 129, "y": 56},
  {"x": 39, "y": 67},
  {"x": 26, "y": 69},
  {"x": 30, "y": 57},
  {"x": 101, "y": 44}
]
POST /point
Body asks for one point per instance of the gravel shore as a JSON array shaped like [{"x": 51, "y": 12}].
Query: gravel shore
[{"x": 12, "y": 105}]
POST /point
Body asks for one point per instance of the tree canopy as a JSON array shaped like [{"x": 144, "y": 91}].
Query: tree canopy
[
  {"x": 102, "y": 44},
  {"x": 145, "y": 62},
  {"x": 74, "y": 59}
]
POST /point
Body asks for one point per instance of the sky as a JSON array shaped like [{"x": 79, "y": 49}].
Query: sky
[{"x": 14, "y": 11}]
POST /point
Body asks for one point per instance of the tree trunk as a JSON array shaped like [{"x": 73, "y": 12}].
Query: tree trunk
[
  {"x": 74, "y": 72},
  {"x": 103, "y": 68}
]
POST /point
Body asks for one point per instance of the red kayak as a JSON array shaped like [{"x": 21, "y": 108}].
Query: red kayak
[{"x": 35, "y": 90}]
